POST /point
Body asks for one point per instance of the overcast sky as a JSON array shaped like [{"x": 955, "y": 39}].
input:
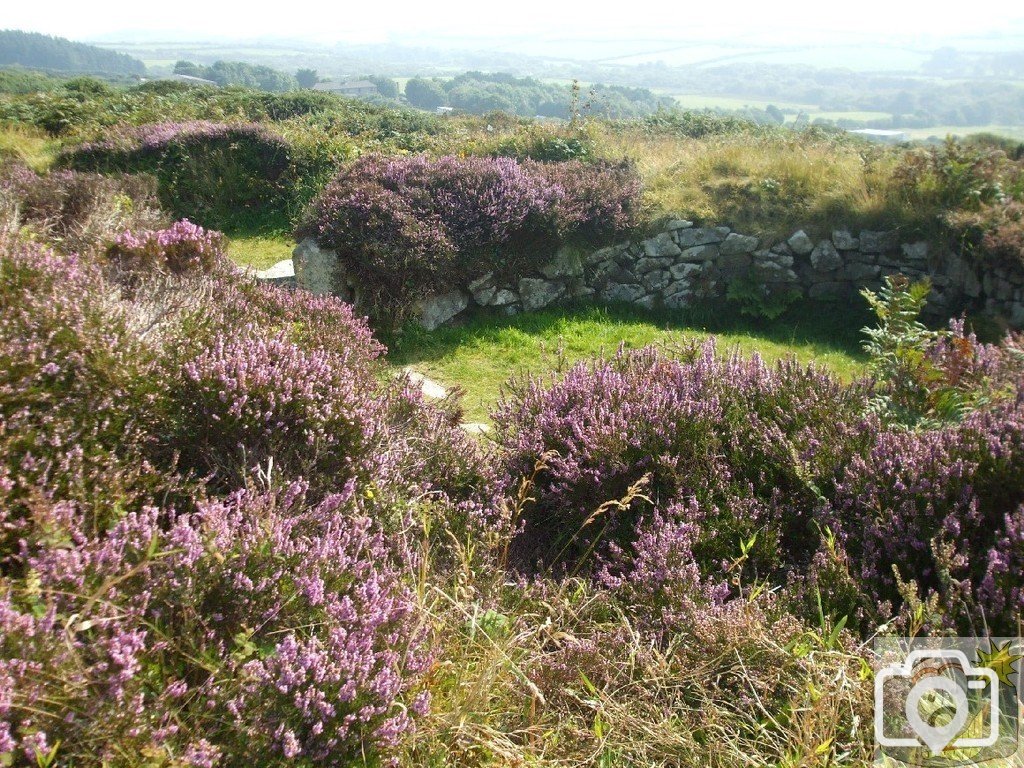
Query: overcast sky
[{"x": 377, "y": 21}]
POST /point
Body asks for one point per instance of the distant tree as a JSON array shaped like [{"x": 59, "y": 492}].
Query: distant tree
[
  {"x": 88, "y": 86},
  {"x": 775, "y": 114},
  {"x": 189, "y": 68},
  {"x": 239, "y": 73},
  {"x": 387, "y": 87},
  {"x": 307, "y": 78},
  {"x": 31, "y": 49},
  {"x": 425, "y": 94}
]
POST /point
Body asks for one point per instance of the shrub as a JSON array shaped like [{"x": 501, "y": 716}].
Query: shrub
[
  {"x": 599, "y": 201},
  {"x": 254, "y": 630},
  {"x": 248, "y": 400},
  {"x": 79, "y": 392},
  {"x": 939, "y": 508},
  {"x": 220, "y": 174},
  {"x": 927, "y": 376},
  {"x": 76, "y": 211},
  {"x": 411, "y": 226},
  {"x": 993, "y": 233},
  {"x": 145, "y": 614},
  {"x": 755, "y": 447},
  {"x": 181, "y": 248}
]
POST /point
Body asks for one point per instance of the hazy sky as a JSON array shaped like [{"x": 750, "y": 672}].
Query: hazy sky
[{"x": 376, "y": 21}]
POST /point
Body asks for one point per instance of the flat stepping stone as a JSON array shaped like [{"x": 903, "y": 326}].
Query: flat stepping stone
[
  {"x": 283, "y": 269},
  {"x": 475, "y": 428},
  {"x": 429, "y": 387}
]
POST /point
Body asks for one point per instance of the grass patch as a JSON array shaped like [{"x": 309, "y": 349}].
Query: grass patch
[
  {"x": 259, "y": 251},
  {"x": 768, "y": 185},
  {"x": 31, "y": 146},
  {"x": 482, "y": 354}
]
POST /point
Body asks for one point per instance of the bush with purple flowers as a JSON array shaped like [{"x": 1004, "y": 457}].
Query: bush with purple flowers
[
  {"x": 754, "y": 446},
  {"x": 182, "y": 247},
  {"x": 252, "y": 630},
  {"x": 74, "y": 211},
  {"x": 410, "y": 226},
  {"x": 940, "y": 508},
  {"x": 149, "y": 603}
]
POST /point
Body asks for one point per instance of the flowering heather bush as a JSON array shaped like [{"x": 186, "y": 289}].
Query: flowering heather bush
[
  {"x": 253, "y": 630},
  {"x": 182, "y": 247},
  {"x": 144, "y": 613},
  {"x": 411, "y": 226},
  {"x": 601, "y": 200},
  {"x": 77, "y": 392},
  {"x": 75, "y": 211},
  {"x": 941, "y": 507},
  {"x": 754, "y": 446},
  {"x": 216, "y": 173},
  {"x": 247, "y": 400}
]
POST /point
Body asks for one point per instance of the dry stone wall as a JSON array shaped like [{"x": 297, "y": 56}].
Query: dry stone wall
[{"x": 685, "y": 264}]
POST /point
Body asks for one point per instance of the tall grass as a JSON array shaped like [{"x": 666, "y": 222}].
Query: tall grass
[
  {"x": 28, "y": 145},
  {"x": 770, "y": 184}
]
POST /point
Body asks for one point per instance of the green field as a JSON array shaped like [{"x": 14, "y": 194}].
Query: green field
[{"x": 481, "y": 355}]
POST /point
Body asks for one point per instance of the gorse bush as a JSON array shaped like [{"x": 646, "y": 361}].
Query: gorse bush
[{"x": 411, "y": 226}]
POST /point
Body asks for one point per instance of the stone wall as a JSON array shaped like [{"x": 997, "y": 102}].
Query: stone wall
[{"x": 684, "y": 264}]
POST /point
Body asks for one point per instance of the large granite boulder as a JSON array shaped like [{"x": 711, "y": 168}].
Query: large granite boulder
[{"x": 319, "y": 271}]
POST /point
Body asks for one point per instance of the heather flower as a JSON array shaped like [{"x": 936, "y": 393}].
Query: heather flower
[
  {"x": 406, "y": 227},
  {"x": 292, "y": 621},
  {"x": 183, "y": 247},
  {"x": 754, "y": 446}
]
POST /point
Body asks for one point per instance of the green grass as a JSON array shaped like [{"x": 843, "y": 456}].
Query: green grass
[
  {"x": 259, "y": 251},
  {"x": 485, "y": 352},
  {"x": 27, "y": 145}
]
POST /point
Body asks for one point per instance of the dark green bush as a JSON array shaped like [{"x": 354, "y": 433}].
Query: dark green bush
[{"x": 223, "y": 175}]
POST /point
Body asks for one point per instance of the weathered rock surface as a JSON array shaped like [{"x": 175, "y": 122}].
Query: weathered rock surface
[
  {"x": 434, "y": 311},
  {"x": 800, "y": 243},
  {"x": 319, "y": 271},
  {"x": 537, "y": 294},
  {"x": 736, "y": 244},
  {"x": 825, "y": 257}
]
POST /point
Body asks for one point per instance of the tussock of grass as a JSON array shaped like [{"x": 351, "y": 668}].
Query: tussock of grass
[
  {"x": 482, "y": 354},
  {"x": 28, "y": 145}
]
